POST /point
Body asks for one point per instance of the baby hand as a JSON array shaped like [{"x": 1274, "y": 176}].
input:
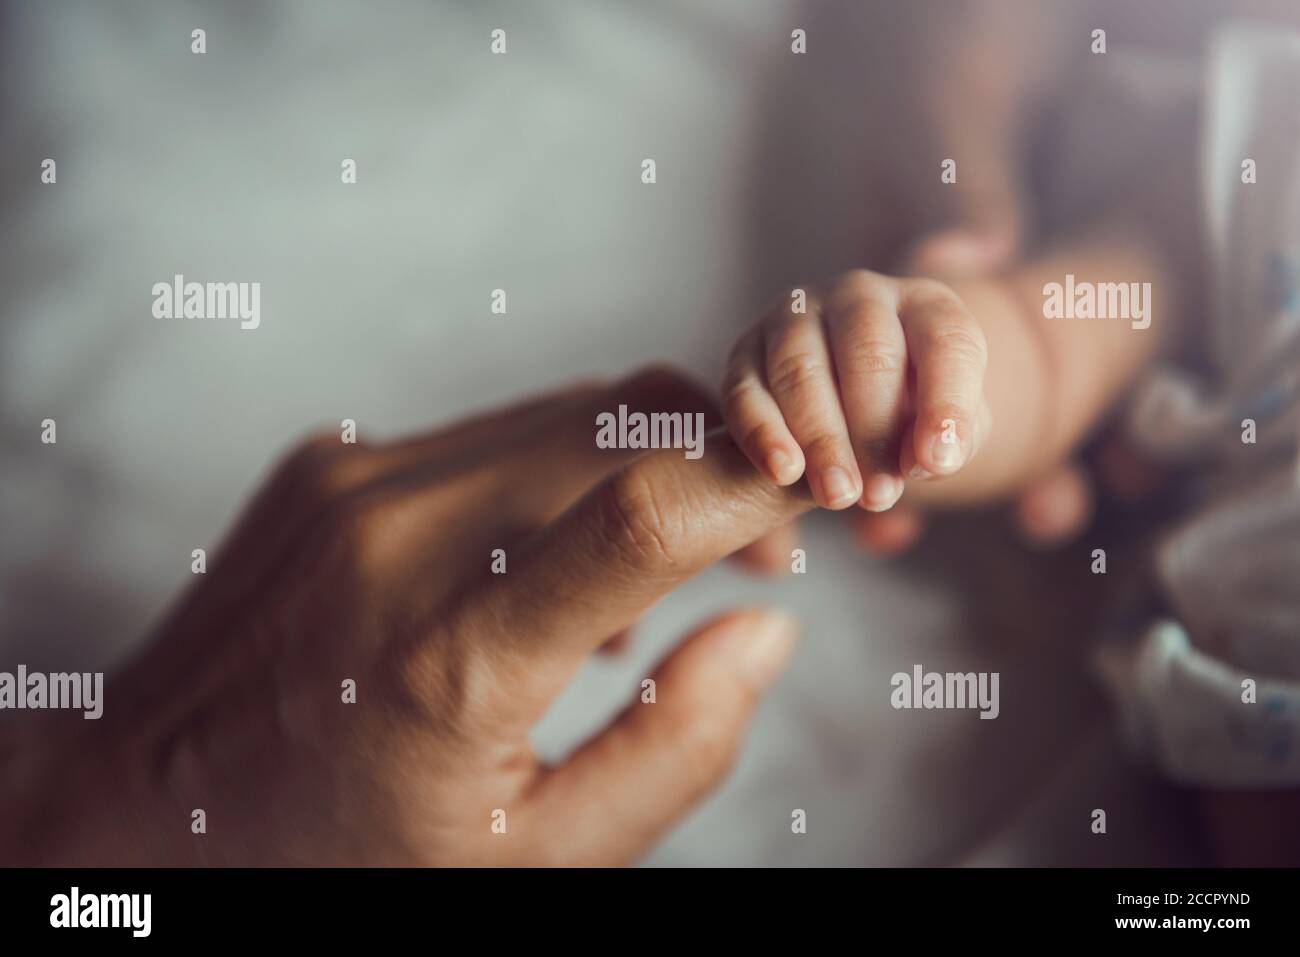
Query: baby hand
[{"x": 860, "y": 383}]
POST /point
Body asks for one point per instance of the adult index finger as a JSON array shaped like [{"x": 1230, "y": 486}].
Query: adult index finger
[{"x": 637, "y": 535}]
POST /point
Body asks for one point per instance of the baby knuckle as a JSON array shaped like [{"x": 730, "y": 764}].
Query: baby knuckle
[
  {"x": 964, "y": 342},
  {"x": 796, "y": 371},
  {"x": 872, "y": 355},
  {"x": 737, "y": 389}
]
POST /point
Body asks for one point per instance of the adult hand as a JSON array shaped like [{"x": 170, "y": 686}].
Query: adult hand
[{"x": 371, "y": 564}]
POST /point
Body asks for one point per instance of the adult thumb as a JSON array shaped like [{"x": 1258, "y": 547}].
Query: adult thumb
[{"x": 610, "y": 801}]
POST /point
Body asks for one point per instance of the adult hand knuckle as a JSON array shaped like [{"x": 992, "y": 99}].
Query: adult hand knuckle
[
  {"x": 363, "y": 533},
  {"x": 310, "y": 455},
  {"x": 435, "y": 681},
  {"x": 636, "y": 522},
  {"x": 321, "y": 469}
]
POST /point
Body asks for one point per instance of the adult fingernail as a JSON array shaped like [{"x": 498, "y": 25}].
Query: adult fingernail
[
  {"x": 838, "y": 487},
  {"x": 769, "y": 648},
  {"x": 946, "y": 452},
  {"x": 881, "y": 492}
]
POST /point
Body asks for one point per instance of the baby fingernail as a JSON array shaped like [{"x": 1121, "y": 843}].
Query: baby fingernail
[
  {"x": 881, "y": 492},
  {"x": 946, "y": 451},
  {"x": 919, "y": 474},
  {"x": 781, "y": 467},
  {"x": 838, "y": 487}
]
